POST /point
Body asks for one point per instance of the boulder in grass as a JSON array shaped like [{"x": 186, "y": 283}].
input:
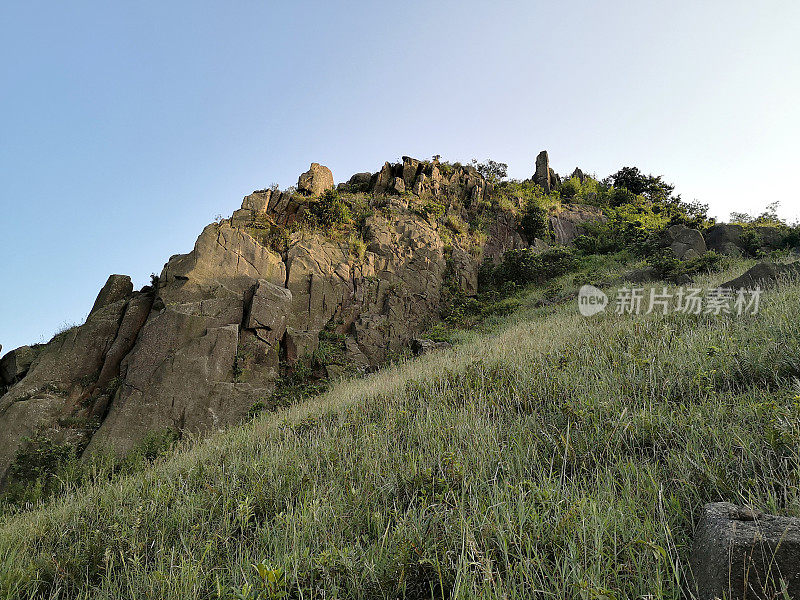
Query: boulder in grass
[{"x": 740, "y": 553}]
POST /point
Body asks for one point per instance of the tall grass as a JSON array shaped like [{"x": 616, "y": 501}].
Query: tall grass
[{"x": 554, "y": 457}]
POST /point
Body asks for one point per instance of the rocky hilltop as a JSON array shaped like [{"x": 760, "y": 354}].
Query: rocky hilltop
[{"x": 222, "y": 324}]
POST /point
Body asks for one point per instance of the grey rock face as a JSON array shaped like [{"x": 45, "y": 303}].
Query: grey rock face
[
  {"x": 59, "y": 383},
  {"x": 15, "y": 364},
  {"x": 420, "y": 346},
  {"x": 730, "y": 238},
  {"x": 739, "y": 553},
  {"x": 685, "y": 243},
  {"x": 567, "y": 224},
  {"x": 117, "y": 287},
  {"x": 764, "y": 275},
  {"x": 542, "y": 177},
  {"x": 316, "y": 180}
]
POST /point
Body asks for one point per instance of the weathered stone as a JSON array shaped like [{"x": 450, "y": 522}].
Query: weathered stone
[
  {"x": 542, "y": 177},
  {"x": 257, "y": 359},
  {"x": 720, "y": 237},
  {"x": 316, "y": 180},
  {"x": 242, "y": 217},
  {"x": 269, "y": 307},
  {"x": 258, "y": 202},
  {"x": 567, "y": 224},
  {"x": 465, "y": 269},
  {"x": 192, "y": 389},
  {"x": 421, "y": 346},
  {"x": 60, "y": 375},
  {"x": 319, "y": 280},
  {"x": 224, "y": 260},
  {"x": 410, "y": 169},
  {"x": 133, "y": 319},
  {"x": 397, "y": 186},
  {"x": 503, "y": 236},
  {"x": 299, "y": 344},
  {"x": 643, "y": 275},
  {"x": 764, "y": 275},
  {"x": 684, "y": 242},
  {"x": 740, "y": 553},
  {"x": 732, "y": 238},
  {"x": 15, "y": 364},
  {"x": 359, "y": 182},
  {"x": 117, "y": 287},
  {"x": 579, "y": 175},
  {"x": 382, "y": 180}
]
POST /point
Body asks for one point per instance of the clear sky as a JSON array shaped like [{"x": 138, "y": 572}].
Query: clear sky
[{"x": 127, "y": 126}]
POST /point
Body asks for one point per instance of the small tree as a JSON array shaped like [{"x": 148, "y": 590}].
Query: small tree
[
  {"x": 534, "y": 220},
  {"x": 491, "y": 170}
]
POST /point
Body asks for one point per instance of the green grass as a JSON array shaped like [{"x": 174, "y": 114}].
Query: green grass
[{"x": 552, "y": 456}]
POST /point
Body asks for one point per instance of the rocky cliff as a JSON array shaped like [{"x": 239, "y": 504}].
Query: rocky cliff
[{"x": 221, "y": 324}]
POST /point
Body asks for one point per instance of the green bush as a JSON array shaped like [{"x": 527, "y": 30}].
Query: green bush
[
  {"x": 529, "y": 266},
  {"x": 330, "y": 211},
  {"x": 669, "y": 268},
  {"x": 429, "y": 208},
  {"x": 534, "y": 220},
  {"x": 37, "y": 467},
  {"x": 570, "y": 188}
]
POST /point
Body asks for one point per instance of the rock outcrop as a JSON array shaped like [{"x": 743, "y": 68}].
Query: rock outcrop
[
  {"x": 568, "y": 223},
  {"x": 544, "y": 175},
  {"x": 763, "y": 275},
  {"x": 58, "y": 388},
  {"x": 317, "y": 180},
  {"x": 734, "y": 239},
  {"x": 256, "y": 295},
  {"x": 684, "y": 242}
]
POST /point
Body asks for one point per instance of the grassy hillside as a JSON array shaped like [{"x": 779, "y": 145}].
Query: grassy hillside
[{"x": 553, "y": 456}]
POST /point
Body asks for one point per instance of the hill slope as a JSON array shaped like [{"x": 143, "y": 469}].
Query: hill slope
[{"x": 552, "y": 456}]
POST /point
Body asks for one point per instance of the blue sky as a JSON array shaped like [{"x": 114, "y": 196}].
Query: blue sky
[{"x": 126, "y": 127}]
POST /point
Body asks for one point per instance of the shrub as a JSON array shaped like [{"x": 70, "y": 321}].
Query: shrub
[
  {"x": 429, "y": 208},
  {"x": 37, "y": 466},
  {"x": 330, "y": 211},
  {"x": 357, "y": 246},
  {"x": 570, "y": 188},
  {"x": 534, "y": 221},
  {"x": 529, "y": 266},
  {"x": 669, "y": 268}
]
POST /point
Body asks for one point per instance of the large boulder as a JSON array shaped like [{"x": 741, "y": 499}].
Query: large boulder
[
  {"x": 15, "y": 364},
  {"x": 741, "y": 553},
  {"x": 316, "y": 180},
  {"x": 684, "y": 242},
  {"x": 724, "y": 238},
  {"x": 567, "y": 224},
  {"x": 763, "y": 275},
  {"x": 734, "y": 239}
]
